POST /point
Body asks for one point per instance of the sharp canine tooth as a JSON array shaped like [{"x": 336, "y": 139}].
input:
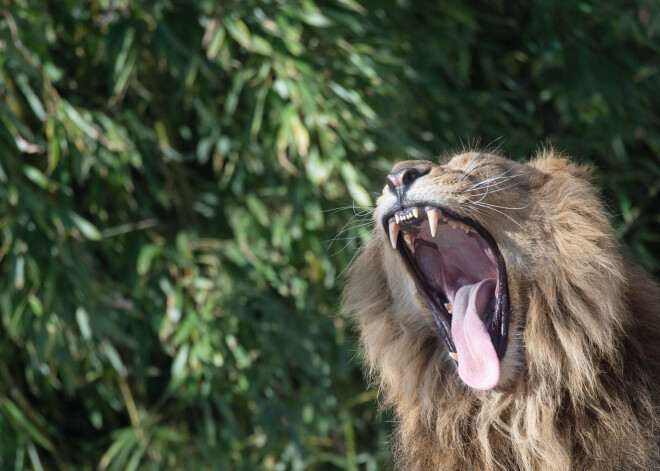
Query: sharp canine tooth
[
  {"x": 432, "y": 214},
  {"x": 416, "y": 212},
  {"x": 396, "y": 217},
  {"x": 454, "y": 356},
  {"x": 449, "y": 307},
  {"x": 394, "y": 233},
  {"x": 409, "y": 242}
]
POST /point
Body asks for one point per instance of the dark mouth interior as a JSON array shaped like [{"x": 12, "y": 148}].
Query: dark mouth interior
[{"x": 459, "y": 259}]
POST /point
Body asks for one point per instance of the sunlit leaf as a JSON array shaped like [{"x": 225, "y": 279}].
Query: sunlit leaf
[
  {"x": 146, "y": 256},
  {"x": 239, "y": 31},
  {"x": 88, "y": 229},
  {"x": 36, "y": 176},
  {"x": 83, "y": 323}
]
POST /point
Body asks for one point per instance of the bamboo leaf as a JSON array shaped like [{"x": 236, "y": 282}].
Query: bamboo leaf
[
  {"x": 87, "y": 229},
  {"x": 239, "y": 31},
  {"x": 36, "y": 176},
  {"x": 22, "y": 422},
  {"x": 147, "y": 254}
]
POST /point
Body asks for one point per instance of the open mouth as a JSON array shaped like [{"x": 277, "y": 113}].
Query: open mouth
[{"x": 460, "y": 273}]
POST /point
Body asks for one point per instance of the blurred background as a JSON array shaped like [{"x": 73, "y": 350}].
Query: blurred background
[{"x": 183, "y": 184}]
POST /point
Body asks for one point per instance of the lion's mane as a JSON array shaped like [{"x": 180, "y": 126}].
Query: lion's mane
[{"x": 580, "y": 378}]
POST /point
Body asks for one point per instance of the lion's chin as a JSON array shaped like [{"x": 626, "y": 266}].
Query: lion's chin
[{"x": 460, "y": 273}]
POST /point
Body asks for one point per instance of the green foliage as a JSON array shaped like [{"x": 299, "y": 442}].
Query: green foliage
[{"x": 169, "y": 178}]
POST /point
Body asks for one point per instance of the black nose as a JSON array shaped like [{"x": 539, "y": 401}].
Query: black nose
[{"x": 405, "y": 176}]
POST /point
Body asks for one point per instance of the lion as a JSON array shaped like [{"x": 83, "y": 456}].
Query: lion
[{"x": 502, "y": 321}]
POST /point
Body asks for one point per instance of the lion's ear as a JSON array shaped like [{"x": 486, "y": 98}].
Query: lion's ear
[{"x": 549, "y": 161}]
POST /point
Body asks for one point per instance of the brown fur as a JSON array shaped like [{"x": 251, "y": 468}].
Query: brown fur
[{"x": 579, "y": 385}]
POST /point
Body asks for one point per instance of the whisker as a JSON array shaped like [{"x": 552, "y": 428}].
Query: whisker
[
  {"x": 511, "y": 177},
  {"x": 349, "y": 226},
  {"x": 477, "y": 212},
  {"x": 494, "y": 191},
  {"x": 502, "y": 139},
  {"x": 501, "y": 178},
  {"x": 491, "y": 179},
  {"x": 362, "y": 209},
  {"x": 501, "y": 207},
  {"x": 498, "y": 211},
  {"x": 357, "y": 252},
  {"x": 472, "y": 166},
  {"x": 348, "y": 241}
]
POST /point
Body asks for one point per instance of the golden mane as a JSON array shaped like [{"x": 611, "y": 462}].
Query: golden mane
[{"x": 579, "y": 385}]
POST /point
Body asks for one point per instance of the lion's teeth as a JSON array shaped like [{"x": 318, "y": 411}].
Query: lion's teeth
[
  {"x": 396, "y": 217},
  {"x": 465, "y": 227},
  {"x": 415, "y": 212},
  {"x": 454, "y": 356},
  {"x": 409, "y": 242},
  {"x": 394, "y": 233},
  {"x": 460, "y": 225},
  {"x": 433, "y": 214},
  {"x": 449, "y": 307}
]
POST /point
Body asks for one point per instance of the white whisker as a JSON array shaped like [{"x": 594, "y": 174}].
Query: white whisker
[
  {"x": 492, "y": 179},
  {"x": 357, "y": 252},
  {"x": 498, "y": 211},
  {"x": 501, "y": 207},
  {"x": 472, "y": 166},
  {"x": 483, "y": 195}
]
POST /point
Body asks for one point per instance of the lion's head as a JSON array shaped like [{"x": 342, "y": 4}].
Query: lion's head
[{"x": 492, "y": 301}]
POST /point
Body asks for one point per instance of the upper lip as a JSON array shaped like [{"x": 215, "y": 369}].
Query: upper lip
[{"x": 498, "y": 328}]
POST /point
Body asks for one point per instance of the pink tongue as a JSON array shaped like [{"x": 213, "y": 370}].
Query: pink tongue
[{"x": 478, "y": 365}]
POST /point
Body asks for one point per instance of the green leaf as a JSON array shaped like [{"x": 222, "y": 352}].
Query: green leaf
[
  {"x": 300, "y": 135},
  {"x": 31, "y": 97},
  {"x": 24, "y": 423},
  {"x": 216, "y": 43},
  {"x": 261, "y": 46},
  {"x": 147, "y": 254},
  {"x": 87, "y": 229},
  {"x": 83, "y": 323},
  {"x": 77, "y": 119},
  {"x": 53, "y": 144},
  {"x": 36, "y": 306},
  {"x": 180, "y": 361},
  {"x": 239, "y": 31},
  {"x": 113, "y": 357},
  {"x": 36, "y": 176},
  {"x": 258, "y": 209},
  {"x": 19, "y": 273}
]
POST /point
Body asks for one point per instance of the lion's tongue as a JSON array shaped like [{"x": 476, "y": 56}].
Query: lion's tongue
[{"x": 478, "y": 365}]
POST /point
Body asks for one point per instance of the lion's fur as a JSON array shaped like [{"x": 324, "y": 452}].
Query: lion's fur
[{"x": 579, "y": 387}]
